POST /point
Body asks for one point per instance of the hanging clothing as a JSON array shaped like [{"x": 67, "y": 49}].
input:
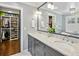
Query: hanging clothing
[
  {"x": 3, "y": 36},
  {"x": 7, "y": 34}
]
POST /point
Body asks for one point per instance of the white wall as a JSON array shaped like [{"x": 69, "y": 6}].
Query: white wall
[{"x": 27, "y": 17}]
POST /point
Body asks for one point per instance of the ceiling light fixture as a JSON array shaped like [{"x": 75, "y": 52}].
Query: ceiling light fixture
[
  {"x": 51, "y": 6},
  {"x": 72, "y": 8}
]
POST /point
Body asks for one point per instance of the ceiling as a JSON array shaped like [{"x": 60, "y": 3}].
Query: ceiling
[
  {"x": 10, "y": 10},
  {"x": 34, "y": 4},
  {"x": 62, "y": 7}
]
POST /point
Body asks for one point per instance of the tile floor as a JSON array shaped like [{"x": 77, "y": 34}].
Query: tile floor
[{"x": 24, "y": 53}]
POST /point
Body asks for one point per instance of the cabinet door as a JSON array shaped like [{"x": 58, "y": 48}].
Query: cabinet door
[
  {"x": 31, "y": 44},
  {"x": 51, "y": 52},
  {"x": 39, "y": 48}
]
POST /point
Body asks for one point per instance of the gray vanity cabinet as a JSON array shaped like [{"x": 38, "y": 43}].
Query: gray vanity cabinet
[
  {"x": 51, "y": 52},
  {"x": 31, "y": 45},
  {"x": 39, "y": 48},
  {"x": 35, "y": 47}
]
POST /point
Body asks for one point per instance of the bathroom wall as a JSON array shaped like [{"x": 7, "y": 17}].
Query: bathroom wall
[{"x": 27, "y": 17}]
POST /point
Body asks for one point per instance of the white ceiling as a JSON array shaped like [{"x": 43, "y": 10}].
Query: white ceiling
[
  {"x": 11, "y": 10},
  {"x": 34, "y": 4},
  {"x": 63, "y": 7}
]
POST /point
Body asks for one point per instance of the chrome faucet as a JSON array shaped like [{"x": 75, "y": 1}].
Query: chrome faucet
[{"x": 67, "y": 39}]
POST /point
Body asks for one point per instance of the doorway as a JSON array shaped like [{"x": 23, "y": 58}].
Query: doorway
[{"x": 9, "y": 31}]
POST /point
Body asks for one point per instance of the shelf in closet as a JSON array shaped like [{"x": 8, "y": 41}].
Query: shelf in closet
[{"x": 14, "y": 24}]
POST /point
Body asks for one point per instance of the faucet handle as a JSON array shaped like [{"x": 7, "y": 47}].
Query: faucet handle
[
  {"x": 72, "y": 42},
  {"x": 67, "y": 40},
  {"x": 64, "y": 38}
]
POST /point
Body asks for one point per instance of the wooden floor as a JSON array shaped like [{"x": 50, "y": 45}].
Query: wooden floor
[{"x": 9, "y": 47}]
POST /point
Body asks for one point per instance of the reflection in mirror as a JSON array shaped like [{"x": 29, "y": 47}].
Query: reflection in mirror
[
  {"x": 51, "y": 27},
  {"x": 50, "y": 21},
  {"x": 66, "y": 23}
]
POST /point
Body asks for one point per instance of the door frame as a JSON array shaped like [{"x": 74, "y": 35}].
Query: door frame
[{"x": 21, "y": 21}]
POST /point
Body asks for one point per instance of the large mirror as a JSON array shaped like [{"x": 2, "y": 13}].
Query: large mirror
[{"x": 66, "y": 23}]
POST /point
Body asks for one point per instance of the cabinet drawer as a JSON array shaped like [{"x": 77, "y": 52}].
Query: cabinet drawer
[
  {"x": 39, "y": 51},
  {"x": 38, "y": 43},
  {"x": 31, "y": 44},
  {"x": 39, "y": 48},
  {"x": 51, "y": 52}
]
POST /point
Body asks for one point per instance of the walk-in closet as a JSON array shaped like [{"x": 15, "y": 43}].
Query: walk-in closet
[{"x": 9, "y": 31}]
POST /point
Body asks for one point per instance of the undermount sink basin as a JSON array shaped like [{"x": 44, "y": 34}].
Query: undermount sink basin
[
  {"x": 52, "y": 39},
  {"x": 64, "y": 46}
]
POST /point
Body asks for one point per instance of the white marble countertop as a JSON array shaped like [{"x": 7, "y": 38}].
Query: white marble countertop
[{"x": 64, "y": 47}]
